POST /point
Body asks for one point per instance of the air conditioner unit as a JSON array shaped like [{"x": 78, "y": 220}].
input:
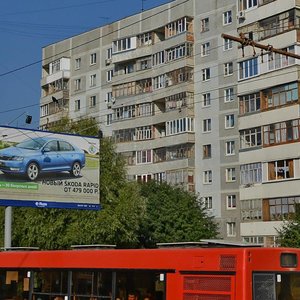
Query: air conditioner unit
[
  {"x": 108, "y": 61},
  {"x": 241, "y": 15}
]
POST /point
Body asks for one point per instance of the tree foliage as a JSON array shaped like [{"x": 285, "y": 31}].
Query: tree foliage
[
  {"x": 289, "y": 233},
  {"x": 174, "y": 215},
  {"x": 132, "y": 214},
  {"x": 117, "y": 223},
  {"x": 84, "y": 126}
]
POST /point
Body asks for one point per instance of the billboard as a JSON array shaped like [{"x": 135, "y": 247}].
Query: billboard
[{"x": 48, "y": 169}]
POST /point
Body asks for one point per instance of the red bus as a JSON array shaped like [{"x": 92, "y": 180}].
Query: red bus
[{"x": 219, "y": 273}]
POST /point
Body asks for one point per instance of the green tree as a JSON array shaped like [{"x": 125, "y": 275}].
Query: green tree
[
  {"x": 173, "y": 215},
  {"x": 117, "y": 223},
  {"x": 132, "y": 214},
  {"x": 289, "y": 233},
  {"x": 84, "y": 126}
]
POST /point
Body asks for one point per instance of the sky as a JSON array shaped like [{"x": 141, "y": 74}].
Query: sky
[{"x": 28, "y": 26}]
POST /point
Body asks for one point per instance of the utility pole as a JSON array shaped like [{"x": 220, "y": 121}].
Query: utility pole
[{"x": 244, "y": 41}]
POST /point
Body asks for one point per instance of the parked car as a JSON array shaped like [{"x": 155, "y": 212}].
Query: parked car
[{"x": 40, "y": 155}]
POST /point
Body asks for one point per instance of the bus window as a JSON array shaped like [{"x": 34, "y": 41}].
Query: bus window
[
  {"x": 279, "y": 286},
  {"x": 50, "y": 284},
  {"x": 97, "y": 284},
  {"x": 14, "y": 284},
  {"x": 139, "y": 285}
]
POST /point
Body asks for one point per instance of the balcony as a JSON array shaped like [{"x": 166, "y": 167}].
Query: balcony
[{"x": 63, "y": 74}]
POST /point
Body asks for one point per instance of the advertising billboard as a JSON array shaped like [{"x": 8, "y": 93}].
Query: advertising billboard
[{"x": 48, "y": 169}]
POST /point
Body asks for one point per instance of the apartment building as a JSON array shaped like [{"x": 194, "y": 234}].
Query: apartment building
[
  {"x": 190, "y": 108},
  {"x": 268, "y": 93}
]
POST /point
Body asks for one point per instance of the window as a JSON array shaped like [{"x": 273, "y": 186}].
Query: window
[
  {"x": 251, "y": 209},
  {"x": 145, "y": 64},
  {"x": 228, "y": 95},
  {"x": 143, "y": 156},
  {"x": 93, "y": 59},
  {"x": 205, "y": 25},
  {"x": 277, "y": 61},
  {"x": 77, "y": 63},
  {"x": 207, "y": 177},
  {"x": 179, "y": 51},
  {"x": 179, "y": 100},
  {"x": 108, "y": 97},
  {"x": 229, "y": 121},
  {"x": 231, "y": 229},
  {"x": 206, "y": 101},
  {"x": 44, "y": 110},
  {"x": 228, "y": 44},
  {"x": 230, "y": 174},
  {"x": 144, "y": 39},
  {"x": 144, "y": 109},
  {"x": 228, "y": 69},
  {"x": 109, "y": 119},
  {"x": 231, "y": 201},
  {"x": 253, "y": 239},
  {"x": 177, "y": 27},
  {"x": 227, "y": 17},
  {"x": 248, "y": 68},
  {"x": 230, "y": 148},
  {"x": 251, "y": 174},
  {"x": 93, "y": 80},
  {"x": 124, "y": 112},
  {"x": 143, "y": 133},
  {"x": 77, "y": 84},
  {"x": 278, "y": 209},
  {"x": 280, "y": 95},
  {"x": 159, "y": 177},
  {"x": 123, "y": 44},
  {"x": 54, "y": 66},
  {"x": 92, "y": 101},
  {"x": 205, "y": 49},
  {"x": 77, "y": 105},
  {"x": 206, "y": 125},
  {"x": 109, "y": 75},
  {"x": 207, "y": 151},
  {"x": 250, "y": 138},
  {"x": 249, "y": 103},
  {"x": 174, "y": 152},
  {"x": 124, "y": 135},
  {"x": 143, "y": 177},
  {"x": 207, "y": 202},
  {"x": 281, "y": 169},
  {"x": 159, "y": 82},
  {"x": 158, "y": 58},
  {"x": 129, "y": 68},
  {"x": 246, "y": 4},
  {"x": 205, "y": 74},
  {"x": 179, "y": 126},
  {"x": 283, "y": 132},
  {"x": 109, "y": 53}
]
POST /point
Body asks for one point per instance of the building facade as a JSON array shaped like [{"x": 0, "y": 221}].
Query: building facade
[
  {"x": 268, "y": 92},
  {"x": 190, "y": 108}
]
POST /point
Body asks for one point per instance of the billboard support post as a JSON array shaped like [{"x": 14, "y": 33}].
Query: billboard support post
[{"x": 7, "y": 227}]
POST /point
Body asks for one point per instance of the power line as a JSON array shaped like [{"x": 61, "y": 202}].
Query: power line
[
  {"x": 90, "y": 41},
  {"x": 114, "y": 82},
  {"x": 249, "y": 42}
]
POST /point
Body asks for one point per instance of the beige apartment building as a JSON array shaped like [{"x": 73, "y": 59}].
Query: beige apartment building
[
  {"x": 190, "y": 108},
  {"x": 268, "y": 91}
]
